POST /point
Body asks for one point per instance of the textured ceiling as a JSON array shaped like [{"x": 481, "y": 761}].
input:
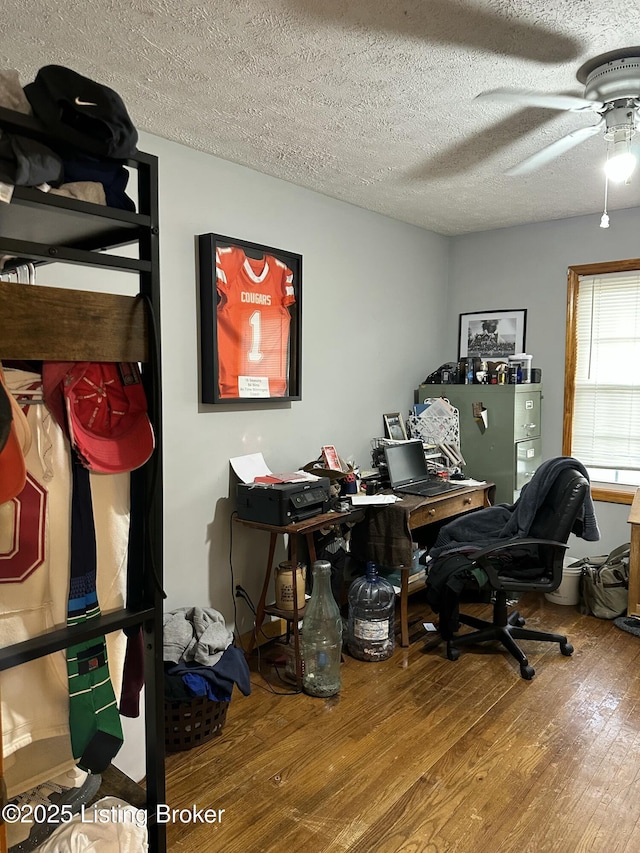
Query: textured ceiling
[{"x": 369, "y": 101}]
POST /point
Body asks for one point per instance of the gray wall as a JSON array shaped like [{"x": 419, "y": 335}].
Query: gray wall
[
  {"x": 526, "y": 267},
  {"x": 371, "y": 290}
]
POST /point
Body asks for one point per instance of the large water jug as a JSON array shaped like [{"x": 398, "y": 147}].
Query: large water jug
[{"x": 370, "y": 632}]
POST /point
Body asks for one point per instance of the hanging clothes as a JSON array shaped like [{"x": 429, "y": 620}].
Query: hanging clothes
[{"x": 35, "y": 698}]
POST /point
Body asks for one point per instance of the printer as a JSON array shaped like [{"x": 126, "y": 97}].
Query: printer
[{"x": 282, "y": 503}]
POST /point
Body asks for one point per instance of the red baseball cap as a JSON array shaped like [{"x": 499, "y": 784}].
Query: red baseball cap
[
  {"x": 107, "y": 415},
  {"x": 13, "y": 471}
]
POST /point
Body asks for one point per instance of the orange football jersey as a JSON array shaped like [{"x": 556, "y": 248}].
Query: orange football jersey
[{"x": 252, "y": 324}]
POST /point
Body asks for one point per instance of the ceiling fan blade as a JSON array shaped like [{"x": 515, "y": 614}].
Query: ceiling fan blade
[
  {"x": 550, "y": 152},
  {"x": 470, "y": 151},
  {"x": 539, "y": 99}
]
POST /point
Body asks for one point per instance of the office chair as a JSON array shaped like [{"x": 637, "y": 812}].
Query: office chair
[{"x": 523, "y": 564}]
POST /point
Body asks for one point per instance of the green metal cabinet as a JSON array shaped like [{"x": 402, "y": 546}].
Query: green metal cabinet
[{"x": 508, "y": 450}]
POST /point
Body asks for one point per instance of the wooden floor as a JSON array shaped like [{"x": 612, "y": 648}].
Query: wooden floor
[{"x": 419, "y": 753}]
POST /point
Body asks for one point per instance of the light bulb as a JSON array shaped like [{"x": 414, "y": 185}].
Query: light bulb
[
  {"x": 619, "y": 167},
  {"x": 604, "y": 220}
]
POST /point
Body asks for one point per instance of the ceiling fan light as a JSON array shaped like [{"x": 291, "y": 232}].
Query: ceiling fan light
[
  {"x": 620, "y": 161},
  {"x": 620, "y": 167}
]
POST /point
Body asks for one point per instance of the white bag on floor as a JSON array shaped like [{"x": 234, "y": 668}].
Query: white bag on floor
[{"x": 106, "y": 826}]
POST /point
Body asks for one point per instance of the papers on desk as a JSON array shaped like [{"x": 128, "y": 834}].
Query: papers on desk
[
  {"x": 470, "y": 482},
  {"x": 252, "y": 468},
  {"x": 373, "y": 500}
]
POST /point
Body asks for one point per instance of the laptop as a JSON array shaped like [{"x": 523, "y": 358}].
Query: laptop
[{"x": 408, "y": 472}]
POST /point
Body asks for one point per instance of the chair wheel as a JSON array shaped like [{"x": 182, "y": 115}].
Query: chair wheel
[
  {"x": 453, "y": 653},
  {"x": 527, "y": 672},
  {"x": 520, "y": 622},
  {"x": 566, "y": 649}
]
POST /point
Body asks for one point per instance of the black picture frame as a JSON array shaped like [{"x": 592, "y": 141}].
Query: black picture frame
[
  {"x": 492, "y": 335},
  {"x": 236, "y": 365}
]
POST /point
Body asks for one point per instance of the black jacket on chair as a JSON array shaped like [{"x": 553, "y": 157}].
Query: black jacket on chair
[
  {"x": 505, "y": 521},
  {"x": 509, "y": 549}
]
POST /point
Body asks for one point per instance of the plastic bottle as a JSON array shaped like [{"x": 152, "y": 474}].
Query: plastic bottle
[
  {"x": 370, "y": 634},
  {"x": 321, "y": 640}
]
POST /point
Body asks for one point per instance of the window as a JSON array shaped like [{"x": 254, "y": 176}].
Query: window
[{"x": 602, "y": 376}]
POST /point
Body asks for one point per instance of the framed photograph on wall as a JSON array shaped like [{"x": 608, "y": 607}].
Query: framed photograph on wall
[
  {"x": 250, "y": 321},
  {"x": 492, "y": 334},
  {"x": 394, "y": 426}
]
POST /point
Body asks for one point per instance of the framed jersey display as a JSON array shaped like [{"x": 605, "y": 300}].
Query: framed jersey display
[{"x": 250, "y": 319}]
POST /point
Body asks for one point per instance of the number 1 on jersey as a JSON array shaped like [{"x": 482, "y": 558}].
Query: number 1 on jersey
[{"x": 256, "y": 336}]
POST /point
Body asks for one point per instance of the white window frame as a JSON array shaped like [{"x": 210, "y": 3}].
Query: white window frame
[{"x": 601, "y": 490}]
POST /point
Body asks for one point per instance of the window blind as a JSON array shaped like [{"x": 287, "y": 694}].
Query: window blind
[{"x": 606, "y": 412}]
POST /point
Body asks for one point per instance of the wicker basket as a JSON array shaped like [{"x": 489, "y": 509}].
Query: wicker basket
[{"x": 189, "y": 724}]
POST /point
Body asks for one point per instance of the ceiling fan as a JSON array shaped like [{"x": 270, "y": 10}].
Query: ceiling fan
[{"x": 612, "y": 92}]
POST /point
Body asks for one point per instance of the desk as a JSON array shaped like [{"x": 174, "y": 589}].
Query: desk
[
  {"x": 633, "y": 605},
  {"x": 387, "y": 533},
  {"x": 305, "y": 528}
]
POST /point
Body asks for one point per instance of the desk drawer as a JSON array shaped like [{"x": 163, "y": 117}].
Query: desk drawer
[{"x": 446, "y": 507}]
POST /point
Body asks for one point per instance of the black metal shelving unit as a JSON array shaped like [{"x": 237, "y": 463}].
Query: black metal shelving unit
[{"x": 39, "y": 227}]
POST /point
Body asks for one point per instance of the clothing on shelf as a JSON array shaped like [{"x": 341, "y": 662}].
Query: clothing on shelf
[
  {"x": 91, "y": 191},
  {"x": 34, "y": 579},
  {"x": 25, "y": 162},
  {"x": 12, "y": 96},
  {"x": 111, "y": 175},
  {"x": 87, "y": 113},
  {"x": 99, "y": 120}
]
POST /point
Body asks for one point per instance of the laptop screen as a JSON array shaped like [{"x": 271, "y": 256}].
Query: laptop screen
[{"x": 405, "y": 463}]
